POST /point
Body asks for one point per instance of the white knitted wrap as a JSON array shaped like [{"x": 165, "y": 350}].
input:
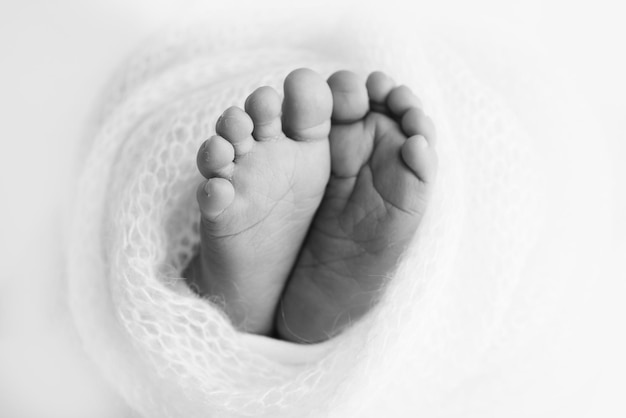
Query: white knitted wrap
[{"x": 170, "y": 353}]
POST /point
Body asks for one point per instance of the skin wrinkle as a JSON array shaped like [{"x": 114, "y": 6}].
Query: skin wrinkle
[
  {"x": 343, "y": 305},
  {"x": 349, "y": 250},
  {"x": 273, "y": 208}
]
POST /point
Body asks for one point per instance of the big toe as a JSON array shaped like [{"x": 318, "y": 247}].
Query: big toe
[
  {"x": 307, "y": 106},
  {"x": 350, "y": 100}
]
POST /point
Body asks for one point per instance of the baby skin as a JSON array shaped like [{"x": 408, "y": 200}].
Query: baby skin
[{"x": 310, "y": 202}]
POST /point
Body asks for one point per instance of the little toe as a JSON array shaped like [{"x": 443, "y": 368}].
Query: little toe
[
  {"x": 215, "y": 157},
  {"x": 214, "y": 196},
  {"x": 350, "y": 100},
  {"x": 416, "y": 122},
  {"x": 307, "y": 106},
  {"x": 263, "y": 106},
  {"x": 420, "y": 157},
  {"x": 236, "y": 127},
  {"x": 379, "y": 85},
  {"x": 401, "y": 99}
]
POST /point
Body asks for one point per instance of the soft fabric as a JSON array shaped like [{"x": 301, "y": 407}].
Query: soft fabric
[{"x": 451, "y": 310}]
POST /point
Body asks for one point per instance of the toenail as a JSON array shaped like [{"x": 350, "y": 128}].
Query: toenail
[
  {"x": 205, "y": 152},
  {"x": 206, "y": 188}
]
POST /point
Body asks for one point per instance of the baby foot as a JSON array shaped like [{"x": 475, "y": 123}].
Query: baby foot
[
  {"x": 266, "y": 177},
  {"x": 383, "y": 165}
]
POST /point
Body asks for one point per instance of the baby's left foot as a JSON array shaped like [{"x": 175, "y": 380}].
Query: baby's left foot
[
  {"x": 383, "y": 165},
  {"x": 266, "y": 171}
]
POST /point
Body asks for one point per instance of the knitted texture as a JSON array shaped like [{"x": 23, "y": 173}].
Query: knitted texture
[{"x": 170, "y": 353}]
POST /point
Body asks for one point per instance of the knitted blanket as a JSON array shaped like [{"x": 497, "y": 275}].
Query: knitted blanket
[{"x": 446, "y": 313}]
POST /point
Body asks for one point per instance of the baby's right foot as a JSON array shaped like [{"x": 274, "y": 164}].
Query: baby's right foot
[
  {"x": 266, "y": 177},
  {"x": 383, "y": 166}
]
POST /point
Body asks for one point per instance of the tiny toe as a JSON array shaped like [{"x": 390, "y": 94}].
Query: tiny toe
[
  {"x": 214, "y": 196},
  {"x": 236, "y": 127},
  {"x": 215, "y": 157},
  {"x": 350, "y": 100},
  {"x": 263, "y": 106},
  {"x": 379, "y": 85},
  {"x": 416, "y": 122},
  {"x": 401, "y": 99},
  {"x": 420, "y": 158},
  {"x": 307, "y": 106}
]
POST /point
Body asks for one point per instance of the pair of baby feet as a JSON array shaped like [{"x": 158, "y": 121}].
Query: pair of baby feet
[{"x": 310, "y": 201}]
